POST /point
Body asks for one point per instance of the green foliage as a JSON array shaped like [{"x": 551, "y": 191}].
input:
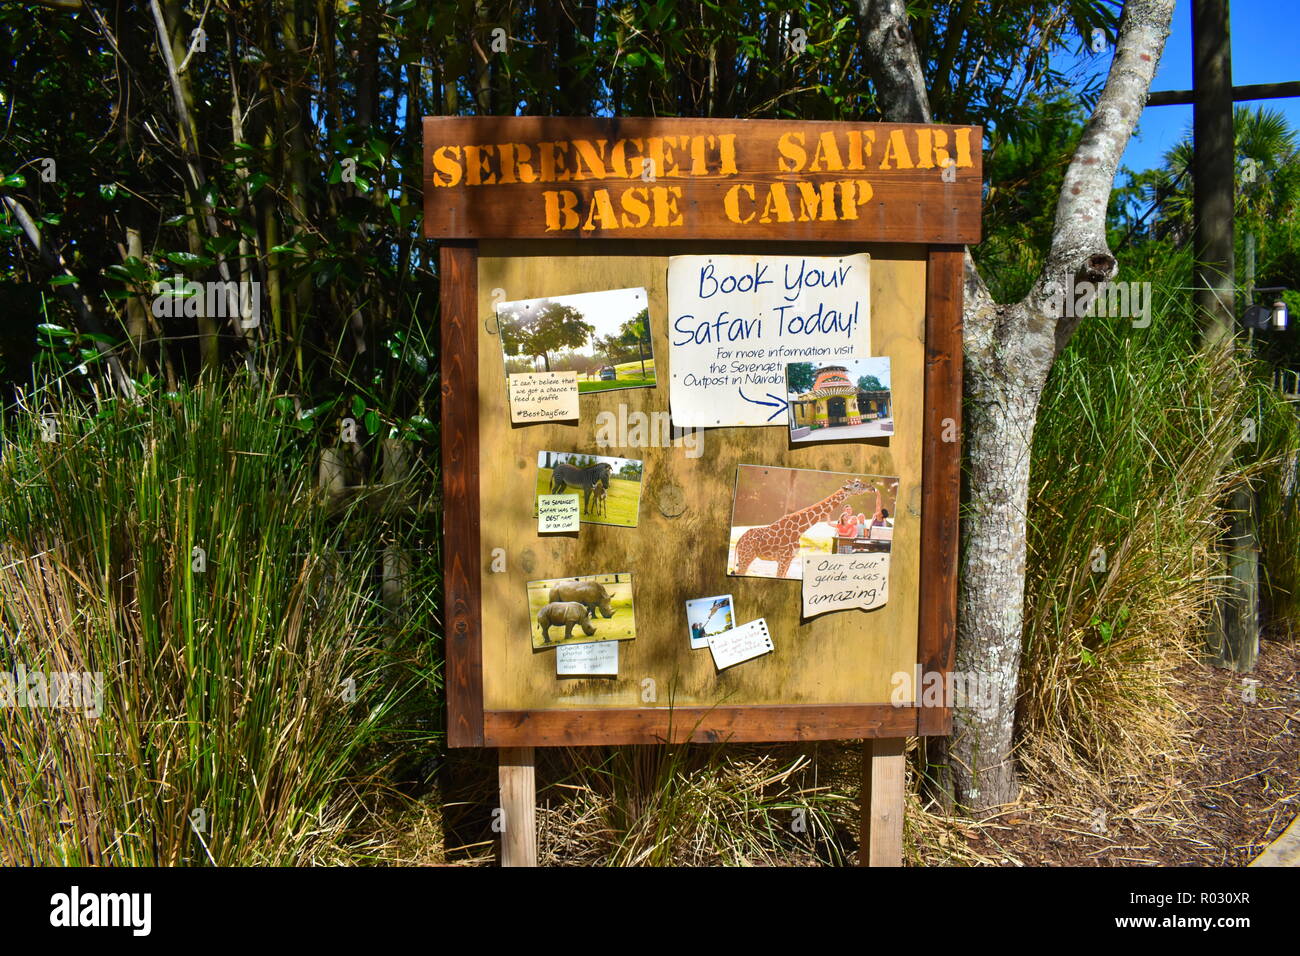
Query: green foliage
[
  {"x": 693, "y": 806},
  {"x": 178, "y": 548},
  {"x": 1025, "y": 176},
  {"x": 800, "y": 376},
  {"x": 1138, "y": 443},
  {"x": 544, "y": 328}
]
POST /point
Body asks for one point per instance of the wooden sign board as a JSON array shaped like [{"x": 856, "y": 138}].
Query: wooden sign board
[
  {"x": 548, "y": 177},
  {"x": 833, "y": 676}
]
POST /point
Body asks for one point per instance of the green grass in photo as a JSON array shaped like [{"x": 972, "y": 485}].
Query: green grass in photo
[
  {"x": 623, "y": 502},
  {"x": 599, "y": 386}
]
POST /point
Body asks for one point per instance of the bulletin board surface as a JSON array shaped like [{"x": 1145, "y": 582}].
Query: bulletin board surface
[
  {"x": 833, "y": 676},
  {"x": 830, "y": 676},
  {"x": 678, "y": 550}
]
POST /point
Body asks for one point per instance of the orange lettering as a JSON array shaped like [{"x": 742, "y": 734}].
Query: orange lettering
[
  {"x": 777, "y": 202},
  {"x": 727, "y": 154},
  {"x": 810, "y": 200},
  {"x": 552, "y": 157},
  {"x": 793, "y": 155},
  {"x": 446, "y": 160},
  {"x": 476, "y": 166},
  {"x": 731, "y": 202},
  {"x": 665, "y": 205},
  {"x": 827, "y": 156},
  {"x": 897, "y": 148},
  {"x": 561, "y": 209},
  {"x": 636, "y": 200},
  {"x": 601, "y": 214},
  {"x": 593, "y": 158}
]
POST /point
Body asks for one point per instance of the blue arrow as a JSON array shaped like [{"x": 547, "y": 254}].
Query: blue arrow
[{"x": 780, "y": 404}]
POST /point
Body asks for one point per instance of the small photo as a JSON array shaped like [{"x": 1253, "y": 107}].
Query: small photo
[
  {"x": 708, "y": 616},
  {"x": 609, "y": 489},
  {"x": 847, "y": 401},
  {"x": 781, "y": 515},
  {"x": 603, "y": 336},
  {"x": 581, "y": 610}
]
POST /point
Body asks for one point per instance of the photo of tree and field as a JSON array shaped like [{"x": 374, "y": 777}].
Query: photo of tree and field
[{"x": 603, "y": 336}]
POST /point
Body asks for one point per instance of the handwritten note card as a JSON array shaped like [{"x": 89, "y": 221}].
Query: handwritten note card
[
  {"x": 587, "y": 660},
  {"x": 734, "y": 322},
  {"x": 839, "y": 582},
  {"x": 543, "y": 397},
  {"x": 740, "y": 644},
  {"x": 558, "y": 513}
]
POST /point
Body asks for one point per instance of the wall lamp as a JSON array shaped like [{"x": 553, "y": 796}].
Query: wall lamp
[{"x": 1267, "y": 317}]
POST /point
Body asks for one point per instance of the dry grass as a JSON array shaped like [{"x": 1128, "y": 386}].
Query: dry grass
[
  {"x": 691, "y": 805},
  {"x": 251, "y": 711}
]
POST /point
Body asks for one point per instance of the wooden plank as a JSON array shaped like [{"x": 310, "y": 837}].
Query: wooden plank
[
  {"x": 882, "y": 802},
  {"x": 940, "y": 475},
  {"x": 462, "y": 576},
  {"x": 568, "y": 177},
  {"x": 1250, "y": 91},
  {"x": 676, "y": 553},
  {"x": 652, "y": 725},
  {"x": 516, "y": 776}
]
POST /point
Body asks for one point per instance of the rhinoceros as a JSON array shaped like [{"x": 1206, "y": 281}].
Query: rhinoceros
[
  {"x": 588, "y": 593},
  {"x": 566, "y": 614}
]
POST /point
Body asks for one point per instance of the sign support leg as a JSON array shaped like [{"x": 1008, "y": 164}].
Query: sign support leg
[
  {"x": 881, "y": 826},
  {"x": 517, "y": 781}
]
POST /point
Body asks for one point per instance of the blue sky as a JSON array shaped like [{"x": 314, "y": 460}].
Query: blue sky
[{"x": 1265, "y": 36}]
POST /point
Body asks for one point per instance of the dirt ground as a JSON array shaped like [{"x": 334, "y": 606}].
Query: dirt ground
[{"x": 1236, "y": 793}]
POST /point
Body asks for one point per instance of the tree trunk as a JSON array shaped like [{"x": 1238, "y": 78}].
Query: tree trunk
[
  {"x": 1009, "y": 352},
  {"x": 1000, "y": 413}
]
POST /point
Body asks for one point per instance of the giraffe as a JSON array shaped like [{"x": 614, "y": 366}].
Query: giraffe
[{"x": 779, "y": 541}]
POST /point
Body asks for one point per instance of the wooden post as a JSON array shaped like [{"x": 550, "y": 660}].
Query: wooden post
[
  {"x": 518, "y": 811},
  {"x": 1214, "y": 162},
  {"x": 881, "y": 826},
  {"x": 1234, "y": 637}
]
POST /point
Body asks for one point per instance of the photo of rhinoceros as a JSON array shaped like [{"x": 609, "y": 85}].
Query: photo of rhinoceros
[
  {"x": 592, "y": 594},
  {"x": 565, "y": 614},
  {"x": 590, "y": 607}
]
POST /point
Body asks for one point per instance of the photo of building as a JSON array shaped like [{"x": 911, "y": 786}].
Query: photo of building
[{"x": 834, "y": 402}]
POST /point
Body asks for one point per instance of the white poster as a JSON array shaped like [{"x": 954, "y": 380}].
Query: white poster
[{"x": 735, "y": 322}]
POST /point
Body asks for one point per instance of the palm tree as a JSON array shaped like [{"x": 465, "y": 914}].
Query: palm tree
[{"x": 1268, "y": 176}]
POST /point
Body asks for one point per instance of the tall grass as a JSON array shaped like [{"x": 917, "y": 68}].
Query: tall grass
[
  {"x": 249, "y": 710},
  {"x": 1278, "y": 489},
  {"x": 1139, "y": 440}
]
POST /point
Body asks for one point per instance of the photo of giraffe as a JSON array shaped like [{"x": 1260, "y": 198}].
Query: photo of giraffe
[{"x": 780, "y": 515}]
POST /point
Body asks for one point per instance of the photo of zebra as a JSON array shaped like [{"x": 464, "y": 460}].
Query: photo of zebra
[{"x": 608, "y": 489}]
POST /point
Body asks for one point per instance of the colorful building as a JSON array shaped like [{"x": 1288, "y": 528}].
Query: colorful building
[{"x": 832, "y": 401}]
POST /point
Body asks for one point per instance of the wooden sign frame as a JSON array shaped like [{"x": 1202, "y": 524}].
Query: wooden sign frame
[{"x": 918, "y": 205}]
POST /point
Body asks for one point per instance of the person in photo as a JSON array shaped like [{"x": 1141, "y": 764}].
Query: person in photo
[{"x": 846, "y": 528}]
